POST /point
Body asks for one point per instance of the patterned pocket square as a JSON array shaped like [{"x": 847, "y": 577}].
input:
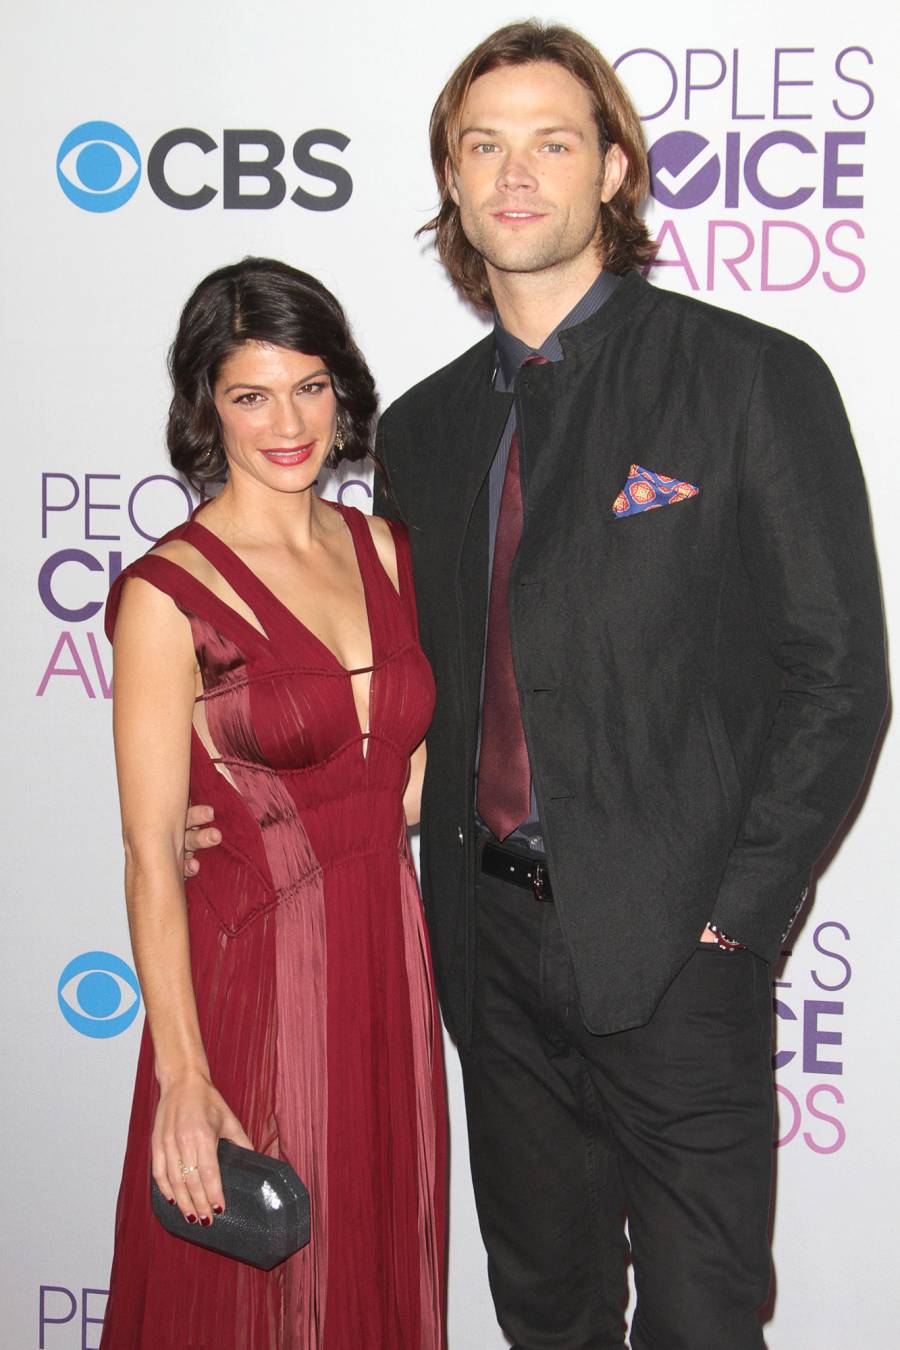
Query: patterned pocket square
[{"x": 645, "y": 490}]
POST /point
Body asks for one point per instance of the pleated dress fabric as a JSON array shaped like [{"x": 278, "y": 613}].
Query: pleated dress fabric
[{"x": 312, "y": 977}]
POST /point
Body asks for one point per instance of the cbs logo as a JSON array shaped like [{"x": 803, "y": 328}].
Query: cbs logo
[
  {"x": 99, "y": 166},
  {"x": 98, "y": 995},
  {"x": 92, "y": 166}
]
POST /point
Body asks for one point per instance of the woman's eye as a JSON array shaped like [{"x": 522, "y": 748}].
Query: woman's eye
[
  {"x": 315, "y": 388},
  {"x": 248, "y": 399}
]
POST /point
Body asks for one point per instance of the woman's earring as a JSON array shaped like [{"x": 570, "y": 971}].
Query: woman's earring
[{"x": 338, "y": 440}]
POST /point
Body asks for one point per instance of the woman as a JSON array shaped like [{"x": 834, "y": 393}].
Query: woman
[{"x": 267, "y": 662}]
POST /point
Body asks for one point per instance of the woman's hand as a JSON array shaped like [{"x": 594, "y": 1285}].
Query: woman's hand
[{"x": 190, "y": 1120}]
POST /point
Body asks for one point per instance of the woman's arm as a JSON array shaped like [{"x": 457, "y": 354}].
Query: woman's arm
[{"x": 153, "y": 698}]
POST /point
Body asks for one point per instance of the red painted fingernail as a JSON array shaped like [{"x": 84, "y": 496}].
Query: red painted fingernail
[
  {"x": 205, "y": 1221},
  {"x": 171, "y": 1200},
  {"x": 191, "y": 1218},
  {"x": 217, "y": 1209}
]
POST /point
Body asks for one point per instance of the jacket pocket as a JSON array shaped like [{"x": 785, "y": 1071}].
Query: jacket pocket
[{"x": 722, "y": 753}]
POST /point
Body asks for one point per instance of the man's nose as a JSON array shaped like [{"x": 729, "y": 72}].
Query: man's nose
[{"x": 516, "y": 173}]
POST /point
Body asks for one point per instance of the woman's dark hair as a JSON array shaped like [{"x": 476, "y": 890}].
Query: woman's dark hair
[{"x": 260, "y": 300}]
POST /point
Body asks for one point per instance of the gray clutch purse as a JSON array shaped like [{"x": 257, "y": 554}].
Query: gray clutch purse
[{"x": 266, "y": 1216}]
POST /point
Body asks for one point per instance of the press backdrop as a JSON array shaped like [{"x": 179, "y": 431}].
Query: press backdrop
[{"x": 147, "y": 144}]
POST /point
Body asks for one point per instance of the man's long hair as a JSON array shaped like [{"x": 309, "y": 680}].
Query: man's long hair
[{"x": 624, "y": 242}]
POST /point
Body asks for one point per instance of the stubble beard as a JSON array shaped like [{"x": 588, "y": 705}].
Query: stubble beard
[{"x": 556, "y": 248}]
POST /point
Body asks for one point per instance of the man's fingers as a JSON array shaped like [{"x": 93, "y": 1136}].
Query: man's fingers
[
  {"x": 199, "y": 815},
  {"x": 197, "y": 837}
]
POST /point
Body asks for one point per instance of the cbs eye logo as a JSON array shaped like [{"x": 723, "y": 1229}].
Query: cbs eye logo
[
  {"x": 98, "y": 166},
  {"x": 98, "y": 995}
]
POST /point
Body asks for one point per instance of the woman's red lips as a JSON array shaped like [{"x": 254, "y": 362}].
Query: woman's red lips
[{"x": 294, "y": 454}]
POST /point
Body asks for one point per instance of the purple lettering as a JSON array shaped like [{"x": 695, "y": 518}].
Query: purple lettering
[
  {"x": 46, "y": 506},
  {"x": 45, "y": 584},
  {"x": 736, "y": 259},
  {"x": 732, "y": 168},
  {"x": 155, "y": 478},
  {"x": 787, "y": 1014},
  {"x": 813, "y": 1037},
  {"x": 849, "y": 79},
  {"x": 779, "y": 84},
  {"x": 103, "y": 680},
  {"x": 812, "y": 1106},
  {"x": 90, "y": 506},
  {"x": 769, "y": 226},
  {"x": 786, "y": 1095},
  {"x": 830, "y": 234},
  {"x": 349, "y": 483},
  {"x": 735, "y": 115},
  {"x": 86, "y": 1319},
  {"x": 833, "y": 169},
  {"x": 649, "y": 51},
  {"x": 690, "y": 86},
  {"x": 44, "y": 1318},
  {"x": 844, "y": 979},
  {"x": 787, "y": 201},
  {"x": 667, "y": 231},
  {"x": 65, "y": 642}
]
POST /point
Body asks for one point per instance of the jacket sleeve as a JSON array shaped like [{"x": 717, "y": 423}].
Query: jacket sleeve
[{"x": 806, "y": 542}]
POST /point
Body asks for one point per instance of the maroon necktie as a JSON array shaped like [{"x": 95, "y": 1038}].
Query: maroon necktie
[{"x": 504, "y": 776}]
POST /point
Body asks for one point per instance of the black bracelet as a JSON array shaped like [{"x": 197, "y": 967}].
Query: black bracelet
[{"x": 727, "y": 944}]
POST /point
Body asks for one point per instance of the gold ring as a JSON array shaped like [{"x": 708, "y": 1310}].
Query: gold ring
[{"x": 185, "y": 1171}]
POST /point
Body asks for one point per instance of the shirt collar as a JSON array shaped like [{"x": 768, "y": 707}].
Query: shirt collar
[{"x": 511, "y": 351}]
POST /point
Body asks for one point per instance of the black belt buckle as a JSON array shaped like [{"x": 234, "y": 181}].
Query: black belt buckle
[{"x": 540, "y": 882}]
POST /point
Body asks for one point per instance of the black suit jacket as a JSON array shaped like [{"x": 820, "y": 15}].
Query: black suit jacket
[{"x": 701, "y": 684}]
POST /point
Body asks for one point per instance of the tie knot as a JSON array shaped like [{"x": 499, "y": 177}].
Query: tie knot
[{"x": 535, "y": 360}]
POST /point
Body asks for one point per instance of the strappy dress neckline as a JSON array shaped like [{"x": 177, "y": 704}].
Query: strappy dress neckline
[{"x": 260, "y": 598}]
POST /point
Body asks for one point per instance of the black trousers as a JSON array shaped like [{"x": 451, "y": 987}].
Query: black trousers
[{"x": 669, "y": 1124}]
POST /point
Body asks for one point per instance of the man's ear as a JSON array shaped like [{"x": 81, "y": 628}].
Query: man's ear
[
  {"x": 450, "y": 180},
  {"x": 615, "y": 167}
]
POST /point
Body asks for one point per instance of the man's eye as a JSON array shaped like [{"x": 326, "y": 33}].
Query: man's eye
[
  {"x": 484, "y": 148},
  {"x": 556, "y": 147}
]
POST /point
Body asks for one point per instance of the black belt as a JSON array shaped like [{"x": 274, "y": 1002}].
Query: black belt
[{"x": 529, "y": 873}]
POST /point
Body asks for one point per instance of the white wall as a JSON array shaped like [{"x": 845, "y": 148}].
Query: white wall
[{"x": 90, "y": 301}]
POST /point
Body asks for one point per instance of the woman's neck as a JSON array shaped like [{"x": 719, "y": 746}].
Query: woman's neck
[{"x": 249, "y": 513}]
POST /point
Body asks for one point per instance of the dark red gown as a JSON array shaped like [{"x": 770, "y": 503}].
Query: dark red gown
[{"x": 312, "y": 977}]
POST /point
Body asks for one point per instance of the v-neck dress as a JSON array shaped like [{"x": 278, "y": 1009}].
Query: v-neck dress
[{"x": 312, "y": 978}]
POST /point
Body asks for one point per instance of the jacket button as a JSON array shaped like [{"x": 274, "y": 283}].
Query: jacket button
[{"x": 459, "y": 834}]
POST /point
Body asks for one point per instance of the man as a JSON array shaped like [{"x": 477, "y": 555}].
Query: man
[{"x": 647, "y": 588}]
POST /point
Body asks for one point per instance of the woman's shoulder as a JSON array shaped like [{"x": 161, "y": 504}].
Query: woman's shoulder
[
  {"x": 385, "y": 531},
  {"x": 181, "y": 552},
  {"x": 160, "y": 574},
  {"x": 389, "y": 538}
]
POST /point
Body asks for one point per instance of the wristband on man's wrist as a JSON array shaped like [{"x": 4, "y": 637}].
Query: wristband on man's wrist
[{"x": 727, "y": 944}]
